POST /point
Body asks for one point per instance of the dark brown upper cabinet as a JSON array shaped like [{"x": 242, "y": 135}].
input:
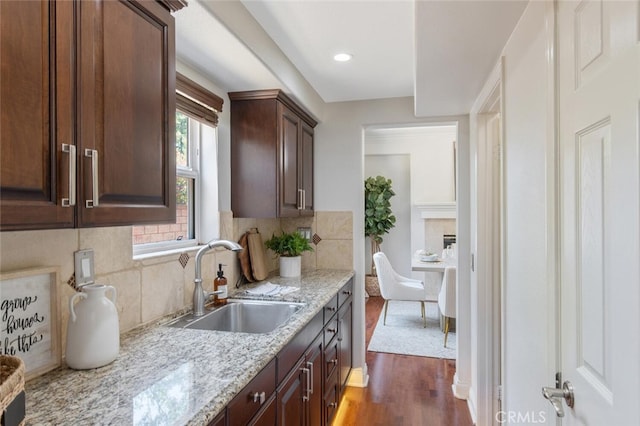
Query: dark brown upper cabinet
[
  {"x": 88, "y": 114},
  {"x": 271, "y": 155}
]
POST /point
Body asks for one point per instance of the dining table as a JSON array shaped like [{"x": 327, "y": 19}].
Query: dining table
[{"x": 432, "y": 266}]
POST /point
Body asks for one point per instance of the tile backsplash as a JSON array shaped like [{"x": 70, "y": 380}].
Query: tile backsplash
[{"x": 153, "y": 287}]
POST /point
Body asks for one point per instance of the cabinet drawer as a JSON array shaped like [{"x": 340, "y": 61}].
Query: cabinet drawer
[
  {"x": 331, "y": 354},
  {"x": 330, "y": 308},
  {"x": 246, "y": 404},
  {"x": 331, "y": 330},
  {"x": 330, "y": 401},
  {"x": 345, "y": 292},
  {"x": 267, "y": 414},
  {"x": 220, "y": 420}
]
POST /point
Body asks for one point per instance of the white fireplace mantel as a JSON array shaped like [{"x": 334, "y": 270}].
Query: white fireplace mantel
[{"x": 443, "y": 210}]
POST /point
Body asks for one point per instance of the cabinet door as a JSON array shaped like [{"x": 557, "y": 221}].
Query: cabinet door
[
  {"x": 267, "y": 414},
  {"x": 306, "y": 169},
  {"x": 291, "y": 409},
  {"x": 313, "y": 361},
  {"x": 126, "y": 113},
  {"x": 345, "y": 318},
  {"x": 253, "y": 397},
  {"x": 290, "y": 196},
  {"x": 220, "y": 420},
  {"x": 36, "y": 106}
]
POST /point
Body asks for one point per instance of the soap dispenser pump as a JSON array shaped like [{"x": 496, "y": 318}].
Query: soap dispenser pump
[{"x": 220, "y": 284}]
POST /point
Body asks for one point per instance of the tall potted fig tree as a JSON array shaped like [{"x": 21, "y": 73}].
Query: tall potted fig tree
[{"x": 378, "y": 220}]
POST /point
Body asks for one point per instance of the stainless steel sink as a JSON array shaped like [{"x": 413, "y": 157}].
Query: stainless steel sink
[{"x": 245, "y": 316}]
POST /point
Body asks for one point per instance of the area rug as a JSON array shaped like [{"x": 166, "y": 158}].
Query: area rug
[{"x": 405, "y": 334}]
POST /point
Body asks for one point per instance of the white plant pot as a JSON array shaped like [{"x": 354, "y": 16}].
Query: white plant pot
[{"x": 290, "y": 266}]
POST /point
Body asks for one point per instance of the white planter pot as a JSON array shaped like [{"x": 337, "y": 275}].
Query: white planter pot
[{"x": 290, "y": 266}]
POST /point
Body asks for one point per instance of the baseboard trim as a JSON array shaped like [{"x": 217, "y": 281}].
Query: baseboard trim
[
  {"x": 471, "y": 405},
  {"x": 359, "y": 377},
  {"x": 460, "y": 389}
]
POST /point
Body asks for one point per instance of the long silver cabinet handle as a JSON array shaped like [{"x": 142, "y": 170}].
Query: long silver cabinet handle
[
  {"x": 310, "y": 381},
  {"x": 94, "y": 177},
  {"x": 71, "y": 150},
  {"x": 304, "y": 199},
  {"x": 300, "y": 199},
  {"x": 307, "y": 372}
]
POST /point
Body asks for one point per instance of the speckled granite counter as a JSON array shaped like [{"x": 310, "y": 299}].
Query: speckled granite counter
[{"x": 172, "y": 376}]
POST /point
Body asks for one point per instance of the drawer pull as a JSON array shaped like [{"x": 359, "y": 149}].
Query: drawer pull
[
  {"x": 333, "y": 404},
  {"x": 334, "y": 362},
  {"x": 259, "y": 397},
  {"x": 331, "y": 308},
  {"x": 348, "y": 293},
  {"x": 331, "y": 330}
]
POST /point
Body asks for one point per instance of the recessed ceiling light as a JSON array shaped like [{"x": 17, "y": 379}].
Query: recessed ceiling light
[{"x": 342, "y": 57}]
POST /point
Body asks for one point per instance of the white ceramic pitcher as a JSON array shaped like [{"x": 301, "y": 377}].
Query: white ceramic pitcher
[{"x": 93, "y": 331}]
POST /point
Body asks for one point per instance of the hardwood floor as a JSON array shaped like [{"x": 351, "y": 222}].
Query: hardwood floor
[{"x": 403, "y": 390}]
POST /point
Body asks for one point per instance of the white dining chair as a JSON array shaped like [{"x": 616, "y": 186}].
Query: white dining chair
[
  {"x": 394, "y": 286},
  {"x": 447, "y": 298}
]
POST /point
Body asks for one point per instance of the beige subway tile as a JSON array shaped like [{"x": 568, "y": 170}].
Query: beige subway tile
[
  {"x": 162, "y": 290},
  {"x": 334, "y": 225},
  {"x": 30, "y": 249},
  {"x": 268, "y": 228},
  {"x": 309, "y": 260},
  {"x": 112, "y": 248},
  {"x": 291, "y": 224},
  {"x": 129, "y": 303},
  {"x": 189, "y": 274},
  {"x": 65, "y": 292},
  {"x": 335, "y": 254},
  {"x": 242, "y": 225},
  {"x": 226, "y": 226}
]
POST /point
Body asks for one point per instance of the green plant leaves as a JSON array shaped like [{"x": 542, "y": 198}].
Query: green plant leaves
[
  {"x": 288, "y": 245},
  {"x": 379, "y": 218}
]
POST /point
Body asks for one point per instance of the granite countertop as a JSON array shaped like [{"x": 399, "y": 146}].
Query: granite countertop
[{"x": 173, "y": 376}]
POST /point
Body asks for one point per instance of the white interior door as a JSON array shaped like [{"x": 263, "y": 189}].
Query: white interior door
[{"x": 599, "y": 110}]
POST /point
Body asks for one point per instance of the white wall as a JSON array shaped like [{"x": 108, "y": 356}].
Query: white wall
[
  {"x": 527, "y": 285},
  {"x": 339, "y": 176},
  {"x": 432, "y": 157}
]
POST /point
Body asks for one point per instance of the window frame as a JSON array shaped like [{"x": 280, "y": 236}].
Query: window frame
[
  {"x": 201, "y": 107},
  {"x": 191, "y": 172}
]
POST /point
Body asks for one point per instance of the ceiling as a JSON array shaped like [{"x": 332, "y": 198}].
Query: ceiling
[{"x": 439, "y": 52}]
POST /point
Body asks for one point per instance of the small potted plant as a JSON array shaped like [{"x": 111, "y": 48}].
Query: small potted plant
[{"x": 289, "y": 247}]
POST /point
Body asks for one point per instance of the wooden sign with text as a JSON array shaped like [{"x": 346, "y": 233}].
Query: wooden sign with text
[{"x": 29, "y": 318}]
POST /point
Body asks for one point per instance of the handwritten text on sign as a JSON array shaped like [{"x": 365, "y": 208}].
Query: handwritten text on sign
[{"x": 25, "y": 319}]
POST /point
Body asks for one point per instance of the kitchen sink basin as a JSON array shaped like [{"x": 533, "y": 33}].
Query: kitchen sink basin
[{"x": 245, "y": 316}]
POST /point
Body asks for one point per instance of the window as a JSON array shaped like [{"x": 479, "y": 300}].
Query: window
[{"x": 196, "y": 144}]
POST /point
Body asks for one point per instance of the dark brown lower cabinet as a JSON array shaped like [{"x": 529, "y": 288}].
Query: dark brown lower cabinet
[
  {"x": 345, "y": 321},
  {"x": 302, "y": 386},
  {"x": 300, "y": 395},
  {"x": 291, "y": 396},
  {"x": 313, "y": 361},
  {"x": 251, "y": 400},
  {"x": 267, "y": 414},
  {"x": 220, "y": 420}
]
